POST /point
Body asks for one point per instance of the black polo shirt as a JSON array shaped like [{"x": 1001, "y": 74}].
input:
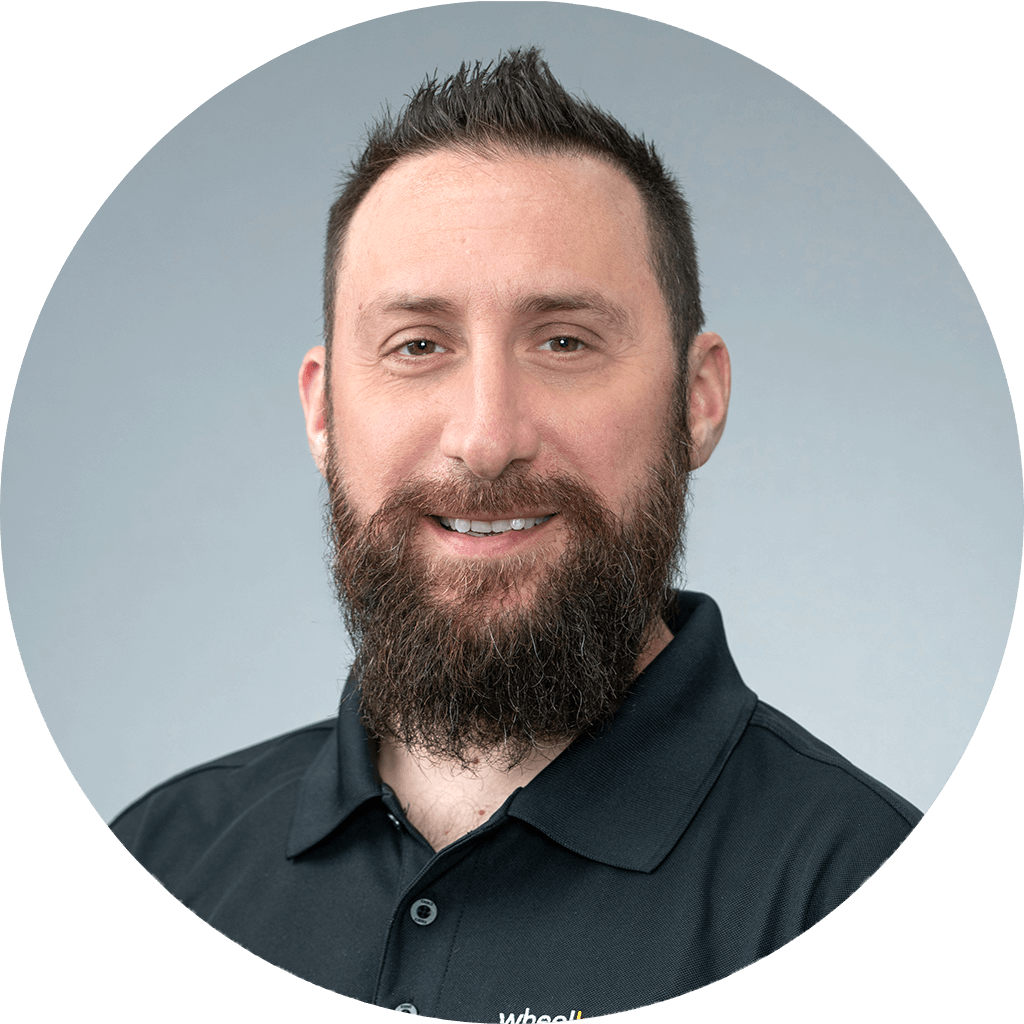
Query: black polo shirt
[{"x": 699, "y": 831}]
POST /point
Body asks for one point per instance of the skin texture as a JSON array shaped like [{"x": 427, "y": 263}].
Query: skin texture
[{"x": 493, "y": 311}]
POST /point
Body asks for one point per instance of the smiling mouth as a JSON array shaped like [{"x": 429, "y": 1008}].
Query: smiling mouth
[{"x": 485, "y": 528}]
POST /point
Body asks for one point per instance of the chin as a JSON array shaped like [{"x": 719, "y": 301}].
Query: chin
[{"x": 485, "y": 588}]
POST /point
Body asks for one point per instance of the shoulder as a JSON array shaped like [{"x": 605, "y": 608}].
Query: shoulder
[
  {"x": 813, "y": 823},
  {"x": 812, "y": 769},
  {"x": 194, "y": 806},
  {"x": 793, "y": 796}
]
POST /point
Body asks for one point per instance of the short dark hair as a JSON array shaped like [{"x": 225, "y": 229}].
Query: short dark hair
[{"x": 517, "y": 105}]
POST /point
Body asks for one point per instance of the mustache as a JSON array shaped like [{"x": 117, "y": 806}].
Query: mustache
[{"x": 517, "y": 489}]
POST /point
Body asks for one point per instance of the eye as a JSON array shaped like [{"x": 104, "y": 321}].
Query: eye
[
  {"x": 563, "y": 343},
  {"x": 420, "y": 347}
]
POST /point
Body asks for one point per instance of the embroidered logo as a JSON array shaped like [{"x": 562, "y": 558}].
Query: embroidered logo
[{"x": 528, "y": 1018}]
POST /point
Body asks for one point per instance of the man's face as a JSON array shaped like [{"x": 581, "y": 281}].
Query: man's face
[
  {"x": 497, "y": 313},
  {"x": 506, "y": 461}
]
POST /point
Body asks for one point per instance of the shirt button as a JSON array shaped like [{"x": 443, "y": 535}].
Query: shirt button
[
  {"x": 406, "y": 1008},
  {"x": 423, "y": 911},
  {"x": 394, "y": 821}
]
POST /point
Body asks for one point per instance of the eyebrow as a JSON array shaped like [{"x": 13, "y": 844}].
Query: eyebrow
[{"x": 613, "y": 314}]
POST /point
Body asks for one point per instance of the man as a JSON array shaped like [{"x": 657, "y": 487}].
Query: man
[{"x": 547, "y": 794}]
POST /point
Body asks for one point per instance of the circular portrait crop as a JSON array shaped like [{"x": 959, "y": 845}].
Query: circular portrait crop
[{"x": 511, "y": 511}]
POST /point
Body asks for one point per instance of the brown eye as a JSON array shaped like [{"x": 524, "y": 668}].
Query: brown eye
[
  {"x": 422, "y": 347},
  {"x": 564, "y": 343}
]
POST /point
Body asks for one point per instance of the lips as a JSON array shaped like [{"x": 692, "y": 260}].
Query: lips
[{"x": 484, "y": 528}]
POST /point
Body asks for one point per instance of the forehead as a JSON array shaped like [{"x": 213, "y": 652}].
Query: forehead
[{"x": 467, "y": 222}]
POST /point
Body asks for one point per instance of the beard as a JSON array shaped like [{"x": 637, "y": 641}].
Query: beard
[{"x": 462, "y": 658}]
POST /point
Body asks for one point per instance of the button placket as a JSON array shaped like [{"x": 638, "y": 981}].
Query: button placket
[{"x": 423, "y": 931}]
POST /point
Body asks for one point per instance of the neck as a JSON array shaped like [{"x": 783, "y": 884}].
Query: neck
[
  {"x": 444, "y": 800},
  {"x": 660, "y": 638}
]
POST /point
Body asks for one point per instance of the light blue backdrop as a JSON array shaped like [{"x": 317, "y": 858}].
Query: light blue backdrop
[{"x": 860, "y": 524}]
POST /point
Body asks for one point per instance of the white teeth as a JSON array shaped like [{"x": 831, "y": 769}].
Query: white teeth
[{"x": 479, "y": 526}]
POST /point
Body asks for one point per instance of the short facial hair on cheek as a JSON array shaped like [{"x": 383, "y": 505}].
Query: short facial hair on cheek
[{"x": 454, "y": 659}]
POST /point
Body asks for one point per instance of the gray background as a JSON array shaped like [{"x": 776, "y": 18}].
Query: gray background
[{"x": 860, "y": 523}]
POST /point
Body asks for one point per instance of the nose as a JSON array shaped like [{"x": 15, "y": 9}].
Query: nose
[{"x": 490, "y": 420}]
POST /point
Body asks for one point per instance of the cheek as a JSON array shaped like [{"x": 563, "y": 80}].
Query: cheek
[
  {"x": 622, "y": 449},
  {"x": 617, "y": 451},
  {"x": 379, "y": 446}
]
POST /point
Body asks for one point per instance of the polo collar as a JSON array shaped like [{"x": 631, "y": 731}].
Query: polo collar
[
  {"x": 622, "y": 796},
  {"x": 339, "y": 781}
]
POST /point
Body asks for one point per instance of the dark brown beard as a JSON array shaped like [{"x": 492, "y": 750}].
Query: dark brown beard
[{"x": 464, "y": 659}]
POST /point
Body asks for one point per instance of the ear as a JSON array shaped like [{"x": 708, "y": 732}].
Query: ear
[
  {"x": 710, "y": 384},
  {"x": 313, "y": 395}
]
